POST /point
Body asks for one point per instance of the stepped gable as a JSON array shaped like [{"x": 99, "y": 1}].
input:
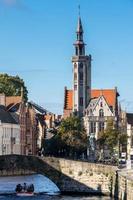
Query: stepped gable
[{"x": 68, "y": 102}]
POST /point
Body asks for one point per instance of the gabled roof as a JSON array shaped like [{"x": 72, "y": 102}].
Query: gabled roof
[
  {"x": 94, "y": 102},
  {"x": 6, "y": 117},
  {"x": 110, "y": 96}
]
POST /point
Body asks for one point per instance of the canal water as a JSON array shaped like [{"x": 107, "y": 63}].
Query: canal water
[{"x": 45, "y": 189}]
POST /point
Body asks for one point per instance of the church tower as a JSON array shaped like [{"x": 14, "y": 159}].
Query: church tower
[{"x": 81, "y": 73}]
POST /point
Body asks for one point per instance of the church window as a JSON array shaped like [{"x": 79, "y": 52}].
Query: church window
[
  {"x": 101, "y": 104},
  {"x": 81, "y": 101},
  {"x": 90, "y": 111},
  {"x": 81, "y": 76},
  {"x": 80, "y": 36},
  {"x": 80, "y": 50},
  {"x": 81, "y": 65},
  {"x": 101, "y": 126},
  {"x": 92, "y": 127},
  {"x": 76, "y": 51},
  {"x": 75, "y": 87},
  {"x": 75, "y": 66},
  {"x": 75, "y": 76},
  {"x": 101, "y": 113}
]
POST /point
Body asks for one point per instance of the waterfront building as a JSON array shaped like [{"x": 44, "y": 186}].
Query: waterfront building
[
  {"x": 103, "y": 106},
  {"x": 9, "y": 133},
  {"x": 24, "y": 114},
  {"x": 127, "y": 127}
]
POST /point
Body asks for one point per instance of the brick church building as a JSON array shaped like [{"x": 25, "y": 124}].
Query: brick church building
[{"x": 96, "y": 106}]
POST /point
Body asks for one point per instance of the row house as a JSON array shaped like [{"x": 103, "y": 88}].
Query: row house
[
  {"x": 25, "y": 116},
  {"x": 9, "y": 133}
]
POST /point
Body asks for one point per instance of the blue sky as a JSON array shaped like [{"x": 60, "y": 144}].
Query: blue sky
[{"x": 36, "y": 42}]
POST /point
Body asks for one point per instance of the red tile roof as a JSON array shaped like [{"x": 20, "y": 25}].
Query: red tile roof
[{"x": 109, "y": 94}]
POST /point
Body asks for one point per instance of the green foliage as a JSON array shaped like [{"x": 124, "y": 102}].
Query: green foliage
[
  {"x": 72, "y": 133},
  {"x": 109, "y": 137},
  {"x": 70, "y": 139},
  {"x": 123, "y": 139},
  {"x": 11, "y": 86}
]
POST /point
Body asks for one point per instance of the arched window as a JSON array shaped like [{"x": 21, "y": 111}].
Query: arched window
[
  {"x": 81, "y": 76},
  {"x": 81, "y": 65},
  {"x": 101, "y": 113},
  {"x": 101, "y": 104},
  {"x": 92, "y": 127},
  {"x": 101, "y": 126},
  {"x": 76, "y": 51},
  {"x": 75, "y": 76},
  {"x": 75, "y": 66}
]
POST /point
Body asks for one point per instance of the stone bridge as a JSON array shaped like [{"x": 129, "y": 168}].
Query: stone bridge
[{"x": 69, "y": 175}]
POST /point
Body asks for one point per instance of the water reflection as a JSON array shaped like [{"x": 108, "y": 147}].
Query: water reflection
[{"x": 41, "y": 183}]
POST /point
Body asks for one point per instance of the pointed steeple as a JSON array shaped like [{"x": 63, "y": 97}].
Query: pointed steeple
[
  {"x": 79, "y": 44},
  {"x": 79, "y": 27}
]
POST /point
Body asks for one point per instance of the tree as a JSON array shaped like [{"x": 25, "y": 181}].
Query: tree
[
  {"x": 72, "y": 134},
  {"x": 108, "y": 137},
  {"x": 12, "y": 85}
]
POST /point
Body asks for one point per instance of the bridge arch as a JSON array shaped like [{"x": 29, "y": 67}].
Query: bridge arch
[{"x": 68, "y": 175}]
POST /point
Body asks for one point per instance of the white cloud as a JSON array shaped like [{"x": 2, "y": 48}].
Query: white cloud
[
  {"x": 10, "y": 2},
  {"x": 19, "y": 4}
]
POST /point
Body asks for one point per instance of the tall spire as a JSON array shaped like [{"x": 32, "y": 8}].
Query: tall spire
[
  {"x": 81, "y": 72},
  {"x": 79, "y": 27},
  {"x": 79, "y": 44}
]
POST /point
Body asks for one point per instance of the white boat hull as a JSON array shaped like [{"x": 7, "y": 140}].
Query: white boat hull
[{"x": 25, "y": 194}]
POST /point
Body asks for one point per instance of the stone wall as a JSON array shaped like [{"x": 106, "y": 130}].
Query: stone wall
[
  {"x": 77, "y": 176},
  {"x": 125, "y": 185},
  {"x": 69, "y": 175}
]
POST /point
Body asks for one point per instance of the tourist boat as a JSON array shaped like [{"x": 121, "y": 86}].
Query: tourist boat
[
  {"x": 25, "y": 190},
  {"x": 25, "y": 194}
]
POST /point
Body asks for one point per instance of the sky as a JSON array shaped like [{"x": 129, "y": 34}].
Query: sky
[{"x": 36, "y": 43}]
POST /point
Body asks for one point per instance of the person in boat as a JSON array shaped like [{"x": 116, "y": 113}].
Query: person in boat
[
  {"x": 25, "y": 187},
  {"x": 19, "y": 188},
  {"x": 30, "y": 188}
]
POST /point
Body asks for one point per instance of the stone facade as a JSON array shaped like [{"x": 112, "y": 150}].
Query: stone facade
[
  {"x": 125, "y": 185},
  {"x": 9, "y": 138}
]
